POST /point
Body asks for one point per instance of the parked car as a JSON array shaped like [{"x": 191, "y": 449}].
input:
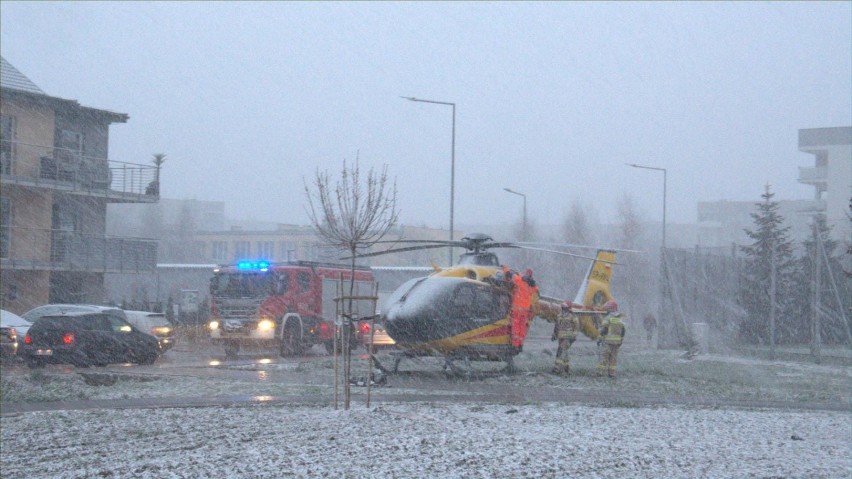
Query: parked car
[
  {"x": 86, "y": 338},
  {"x": 381, "y": 339},
  {"x": 58, "y": 309},
  {"x": 13, "y": 328},
  {"x": 155, "y": 324}
]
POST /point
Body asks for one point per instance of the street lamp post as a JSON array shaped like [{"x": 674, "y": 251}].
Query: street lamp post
[
  {"x": 452, "y": 166},
  {"x": 524, "y": 232},
  {"x": 663, "y": 271}
]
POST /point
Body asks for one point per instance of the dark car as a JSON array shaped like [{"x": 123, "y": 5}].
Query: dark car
[{"x": 84, "y": 339}]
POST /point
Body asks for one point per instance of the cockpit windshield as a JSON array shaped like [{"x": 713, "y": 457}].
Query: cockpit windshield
[
  {"x": 241, "y": 285},
  {"x": 479, "y": 259}
]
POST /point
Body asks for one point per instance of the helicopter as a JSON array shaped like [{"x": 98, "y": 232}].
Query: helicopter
[{"x": 463, "y": 312}]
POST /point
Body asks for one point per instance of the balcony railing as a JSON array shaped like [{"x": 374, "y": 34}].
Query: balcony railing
[
  {"x": 69, "y": 170},
  {"x": 58, "y": 250},
  {"x": 813, "y": 174}
]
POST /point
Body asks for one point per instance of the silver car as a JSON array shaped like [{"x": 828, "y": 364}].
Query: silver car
[
  {"x": 154, "y": 324},
  {"x": 13, "y": 328}
]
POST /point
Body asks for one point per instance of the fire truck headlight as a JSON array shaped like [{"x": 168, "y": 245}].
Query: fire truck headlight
[
  {"x": 214, "y": 325},
  {"x": 265, "y": 325}
]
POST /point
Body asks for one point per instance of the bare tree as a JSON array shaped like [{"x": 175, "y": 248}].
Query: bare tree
[
  {"x": 575, "y": 229},
  {"x": 351, "y": 214},
  {"x": 637, "y": 275}
]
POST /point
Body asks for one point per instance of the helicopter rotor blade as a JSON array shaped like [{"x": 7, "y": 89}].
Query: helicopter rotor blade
[
  {"x": 499, "y": 245},
  {"x": 565, "y": 254},
  {"x": 397, "y": 250},
  {"x": 415, "y": 241},
  {"x": 578, "y": 246}
]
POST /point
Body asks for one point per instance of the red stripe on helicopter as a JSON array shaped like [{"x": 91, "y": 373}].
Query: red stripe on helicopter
[{"x": 498, "y": 331}]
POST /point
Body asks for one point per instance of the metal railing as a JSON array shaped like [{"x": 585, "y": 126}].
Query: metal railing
[
  {"x": 812, "y": 174},
  {"x": 69, "y": 170},
  {"x": 59, "y": 250}
]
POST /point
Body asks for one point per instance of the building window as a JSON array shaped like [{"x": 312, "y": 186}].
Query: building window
[
  {"x": 288, "y": 250},
  {"x": 71, "y": 142},
  {"x": 313, "y": 252},
  {"x": 265, "y": 249},
  {"x": 220, "y": 251},
  {"x": 5, "y": 228},
  {"x": 7, "y": 147},
  {"x": 242, "y": 249}
]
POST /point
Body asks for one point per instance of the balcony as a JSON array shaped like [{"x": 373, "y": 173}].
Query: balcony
[
  {"x": 813, "y": 175},
  {"x": 69, "y": 171},
  {"x": 57, "y": 250}
]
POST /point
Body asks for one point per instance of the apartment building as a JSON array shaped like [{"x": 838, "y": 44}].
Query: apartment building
[
  {"x": 57, "y": 179},
  {"x": 831, "y": 175}
]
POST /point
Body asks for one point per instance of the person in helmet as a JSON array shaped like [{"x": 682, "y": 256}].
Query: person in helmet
[
  {"x": 611, "y": 337},
  {"x": 565, "y": 331}
]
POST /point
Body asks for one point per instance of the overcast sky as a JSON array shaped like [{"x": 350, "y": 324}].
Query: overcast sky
[{"x": 247, "y": 99}]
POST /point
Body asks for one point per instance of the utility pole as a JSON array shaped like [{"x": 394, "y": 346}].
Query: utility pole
[
  {"x": 816, "y": 326},
  {"x": 772, "y": 295}
]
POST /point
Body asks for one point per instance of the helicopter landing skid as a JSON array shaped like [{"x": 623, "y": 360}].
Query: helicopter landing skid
[
  {"x": 467, "y": 370},
  {"x": 457, "y": 365}
]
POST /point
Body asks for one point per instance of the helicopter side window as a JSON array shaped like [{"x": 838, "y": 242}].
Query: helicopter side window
[{"x": 463, "y": 301}]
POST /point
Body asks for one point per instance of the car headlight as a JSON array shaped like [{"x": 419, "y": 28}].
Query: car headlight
[
  {"x": 214, "y": 325},
  {"x": 161, "y": 330},
  {"x": 265, "y": 325}
]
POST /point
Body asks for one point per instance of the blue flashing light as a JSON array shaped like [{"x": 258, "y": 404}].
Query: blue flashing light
[{"x": 262, "y": 266}]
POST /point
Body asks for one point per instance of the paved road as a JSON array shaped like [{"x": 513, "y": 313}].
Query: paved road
[{"x": 410, "y": 385}]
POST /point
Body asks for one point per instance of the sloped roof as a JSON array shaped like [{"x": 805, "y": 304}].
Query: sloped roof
[{"x": 11, "y": 77}]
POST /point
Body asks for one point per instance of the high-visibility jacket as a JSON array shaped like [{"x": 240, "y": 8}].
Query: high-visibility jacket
[
  {"x": 612, "y": 330},
  {"x": 567, "y": 325},
  {"x": 522, "y": 297}
]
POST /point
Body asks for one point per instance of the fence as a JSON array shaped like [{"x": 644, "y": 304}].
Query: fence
[{"x": 71, "y": 170}]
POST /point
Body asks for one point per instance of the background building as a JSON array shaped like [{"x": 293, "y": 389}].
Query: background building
[
  {"x": 56, "y": 182},
  {"x": 831, "y": 175}
]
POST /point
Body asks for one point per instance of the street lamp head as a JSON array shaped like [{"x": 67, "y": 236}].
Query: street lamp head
[
  {"x": 508, "y": 190},
  {"x": 410, "y": 98}
]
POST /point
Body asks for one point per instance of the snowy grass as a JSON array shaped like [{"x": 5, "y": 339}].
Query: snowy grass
[
  {"x": 426, "y": 440},
  {"x": 645, "y": 370}
]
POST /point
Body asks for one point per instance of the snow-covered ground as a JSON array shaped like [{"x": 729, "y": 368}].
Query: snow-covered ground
[
  {"x": 471, "y": 432},
  {"x": 426, "y": 440}
]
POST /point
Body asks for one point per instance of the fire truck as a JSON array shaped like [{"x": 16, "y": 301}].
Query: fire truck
[{"x": 287, "y": 306}]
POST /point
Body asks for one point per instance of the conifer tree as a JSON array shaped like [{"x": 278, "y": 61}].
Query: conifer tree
[{"x": 771, "y": 245}]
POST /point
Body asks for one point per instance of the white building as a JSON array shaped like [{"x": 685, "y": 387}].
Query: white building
[{"x": 831, "y": 175}]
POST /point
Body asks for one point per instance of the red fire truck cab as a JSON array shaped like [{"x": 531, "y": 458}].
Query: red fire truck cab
[{"x": 287, "y": 306}]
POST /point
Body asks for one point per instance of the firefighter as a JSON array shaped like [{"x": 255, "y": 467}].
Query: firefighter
[
  {"x": 611, "y": 337},
  {"x": 565, "y": 331}
]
